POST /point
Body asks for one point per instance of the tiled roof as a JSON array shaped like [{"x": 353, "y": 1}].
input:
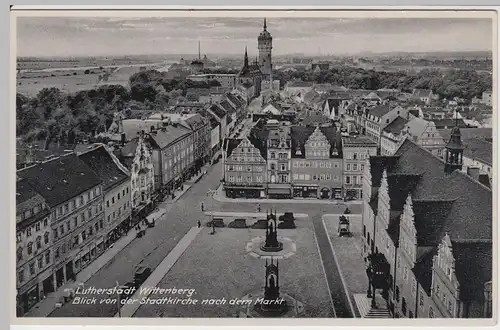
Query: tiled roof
[
  {"x": 300, "y": 134},
  {"x": 247, "y": 84},
  {"x": 60, "y": 179},
  {"x": 400, "y": 185},
  {"x": 417, "y": 126},
  {"x": 299, "y": 83},
  {"x": 470, "y": 216},
  {"x": 423, "y": 269},
  {"x": 473, "y": 267},
  {"x": 227, "y": 107},
  {"x": 380, "y": 110},
  {"x": 234, "y": 99},
  {"x": 218, "y": 110},
  {"x": 377, "y": 166},
  {"x": 231, "y": 144},
  {"x": 449, "y": 123},
  {"x": 26, "y": 199},
  {"x": 396, "y": 126},
  {"x": 164, "y": 137},
  {"x": 421, "y": 92},
  {"x": 467, "y": 133},
  {"x": 479, "y": 149},
  {"x": 258, "y": 137},
  {"x": 103, "y": 164},
  {"x": 430, "y": 218}
]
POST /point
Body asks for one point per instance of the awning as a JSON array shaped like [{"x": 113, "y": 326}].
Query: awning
[
  {"x": 301, "y": 185},
  {"x": 279, "y": 191},
  {"x": 243, "y": 188}
]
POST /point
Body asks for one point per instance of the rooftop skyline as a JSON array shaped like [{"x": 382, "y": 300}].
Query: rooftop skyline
[{"x": 107, "y": 36}]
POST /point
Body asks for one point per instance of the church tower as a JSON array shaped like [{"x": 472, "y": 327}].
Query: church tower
[
  {"x": 454, "y": 151},
  {"x": 265, "y": 41}
]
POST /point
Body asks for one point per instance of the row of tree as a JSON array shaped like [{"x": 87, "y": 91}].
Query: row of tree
[
  {"x": 454, "y": 83},
  {"x": 53, "y": 115}
]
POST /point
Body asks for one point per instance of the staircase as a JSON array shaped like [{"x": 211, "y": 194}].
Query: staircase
[{"x": 366, "y": 311}]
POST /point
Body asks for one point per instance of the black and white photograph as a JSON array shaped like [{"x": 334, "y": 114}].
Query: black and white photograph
[{"x": 255, "y": 165}]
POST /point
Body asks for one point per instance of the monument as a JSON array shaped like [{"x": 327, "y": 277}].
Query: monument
[
  {"x": 271, "y": 304},
  {"x": 271, "y": 243}
]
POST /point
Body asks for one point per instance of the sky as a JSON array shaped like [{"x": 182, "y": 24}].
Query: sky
[{"x": 107, "y": 36}]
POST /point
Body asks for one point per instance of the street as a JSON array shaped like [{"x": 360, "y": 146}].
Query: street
[{"x": 151, "y": 249}]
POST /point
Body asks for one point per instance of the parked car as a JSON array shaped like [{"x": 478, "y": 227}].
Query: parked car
[
  {"x": 216, "y": 222},
  {"x": 287, "y": 216}
]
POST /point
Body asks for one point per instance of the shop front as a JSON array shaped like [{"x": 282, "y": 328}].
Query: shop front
[
  {"x": 305, "y": 191},
  {"x": 30, "y": 297},
  {"x": 337, "y": 193},
  {"x": 244, "y": 191},
  {"x": 279, "y": 191}
]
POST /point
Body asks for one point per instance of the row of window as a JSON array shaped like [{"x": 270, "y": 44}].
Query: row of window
[
  {"x": 118, "y": 196},
  {"x": 33, "y": 211},
  {"x": 247, "y": 168},
  {"x": 239, "y": 178},
  {"x": 322, "y": 177},
  {"x": 282, "y": 167},
  {"x": 314, "y": 164},
  {"x": 281, "y": 155},
  {"x": 360, "y": 155},
  {"x": 77, "y": 220},
  {"x": 354, "y": 167},
  {"x": 29, "y": 246},
  {"x": 34, "y": 267},
  {"x": 29, "y": 231},
  {"x": 119, "y": 211},
  {"x": 76, "y": 203},
  {"x": 78, "y": 239},
  {"x": 353, "y": 179}
]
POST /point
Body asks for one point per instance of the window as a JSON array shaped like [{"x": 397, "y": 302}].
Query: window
[
  {"x": 82, "y": 200},
  {"x": 100, "y": 224},
  {"x": 73, "y": 204},
  {"x": 46, "y": 238},
  {"x": 413, "y": 286},
  {"x": 38, "y": 242},
  {"x": 421, "y": 299},
  {"x": 112, "y": 200},
  {"x": 19, "y": 253},
  {"x": 355, "y": 156},
  {"x": 405, "y": 274},
  {"x": 55, "y": 232},
  {"x": 450, "y": 306},
  {"x": 20, "y": 276},
  {"x": 37, "y": 226},
  {"x": 107, "y": 203},
  {"x": 348, "y": 167},
  {"x": 28, "y": 232},
  {"x": 45, "y": 223},
  {"x": 56, "y": 254},
  {"x": 61, "y": 229},
  {"x": 32, "y": 268},
  {"x": 18, "y": 237},
  {"x": 118, "y": 196},
  {"x": 40, "y": 262},
  {"x": 66, "y": 208},
  {"x": 89, "y": 212},
  {"x": 348, "y": 179},
  {"x": 47, "y": 257},
  {"x": 431, "y": 313},
  {"x": 67, "y": 226}
]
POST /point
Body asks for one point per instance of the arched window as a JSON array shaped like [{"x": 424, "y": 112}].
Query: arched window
[
  {"x": 19, "y": 253},
  {"x": 39, "y": 242},
  {"x": 46, "y": 238},
  {"x": 30, "y": 248}
]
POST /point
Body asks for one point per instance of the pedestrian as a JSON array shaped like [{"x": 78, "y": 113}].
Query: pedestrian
[
  {"x": 202, "y": 207},
  {"x": 199, "y": 223},
  {"x": 258, "y": 207}
]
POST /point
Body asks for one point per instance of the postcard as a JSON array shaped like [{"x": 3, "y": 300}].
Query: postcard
[{"x": 199, "y": 166}]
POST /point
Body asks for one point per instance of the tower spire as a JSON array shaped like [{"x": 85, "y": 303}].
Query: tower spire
[
  {"x": 199, "y": 50},
  {"x": 246, "y": 57},
  {"x": 265, "y": 24}
]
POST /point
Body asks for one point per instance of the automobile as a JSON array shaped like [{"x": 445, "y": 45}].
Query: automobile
[
  {"x": 287, "y": 216},
  {"x": 141, "y": 274},
  {"x": 216, "y": 222}
]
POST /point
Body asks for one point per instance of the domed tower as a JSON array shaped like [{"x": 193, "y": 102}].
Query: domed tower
[
  {"x": 265, "y": 47},
  {"x": 454, "y": 151}
]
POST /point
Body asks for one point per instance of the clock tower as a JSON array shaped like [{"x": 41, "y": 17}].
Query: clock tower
[{"x": 265, "y": 42}]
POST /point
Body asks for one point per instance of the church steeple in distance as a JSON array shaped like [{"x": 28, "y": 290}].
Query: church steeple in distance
[
  {"x": 454, "y": 149},
  {"x": 265, "y": 24},
  {"x": 245, "y": 63},
  {"x": 265, "y": 45}
]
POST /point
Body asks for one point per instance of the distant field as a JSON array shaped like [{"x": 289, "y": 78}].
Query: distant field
[
  {"x": 120, "y": 76},
  {"x": 30, "y": 83},
  {"x": 42, "y": 64}
]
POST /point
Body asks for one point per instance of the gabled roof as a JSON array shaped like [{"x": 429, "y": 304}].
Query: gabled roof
[
  {"x": 417, "y": 126},
  {"x": 396, "y": 126},
  {"x": 26, "y": 199},
  {"x": 234, "y": 100},
  {"x": 230, "y": 144},
  {"x": 227, "y": 107},
  {"x": 423, "y": 269},
  {"x": 218, "y": 110},
  {"x": 380, "y": 110},
  {"x": 377, "y": 166},
  {"x": 105, "y": 166},
  {"x": 60, "y": 179},
  {"x": 430, "y": 218},
  {"x": 421, "y": 92},
  {"x": 470, "y": 216},
  {"x": 258, "y": 137},
  {"x": 166, "y": 136},
  {"x": 449, "y": 123},
  {"x": 247, "y": 84},
  {"x": 300, "y": 134},
  {"x": 473, "y": 267}
]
